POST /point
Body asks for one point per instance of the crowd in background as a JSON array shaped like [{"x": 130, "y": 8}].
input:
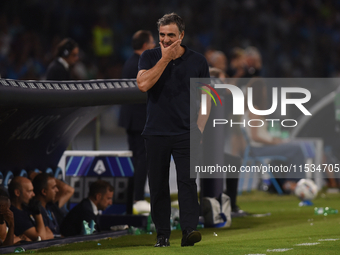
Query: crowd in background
[{"x": 295, "y": 38}]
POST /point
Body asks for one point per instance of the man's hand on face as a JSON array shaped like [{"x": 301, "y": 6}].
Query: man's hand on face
[
  {"x": 8, "y": 217},
  {"x": 171, "y": 52}
]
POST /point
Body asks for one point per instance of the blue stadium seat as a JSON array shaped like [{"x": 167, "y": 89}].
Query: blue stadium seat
[
  {"x": 49, "y": 171},
  {"x": 23, "y": 173},
  {"x": 8, "y": 178},
  {"x": 59, "y": 174}
]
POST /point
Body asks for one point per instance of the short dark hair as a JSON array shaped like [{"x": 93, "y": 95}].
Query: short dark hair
[
  {"x": 65, "y": 47},
  {"x": 99, "y": 186},
  {"x": 40, "y": 182},
  {"x": 14, "y": 184},
  {"x": 171, "y": 18},
  {"x": 139, "y": 38}
]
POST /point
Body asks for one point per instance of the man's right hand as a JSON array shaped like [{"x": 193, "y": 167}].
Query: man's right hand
[
  {"x": 171, "y": 52},
  {"x": 8, "y": 216}
]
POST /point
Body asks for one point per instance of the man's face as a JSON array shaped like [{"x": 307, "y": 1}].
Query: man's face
[
  {"x": 51, "y": 190},
  {"x": 73, "y": 57},
  {"x": 169, "y": 34},
  {"x": 26, "y": 192},
  {"x": 105, "y": 200}
]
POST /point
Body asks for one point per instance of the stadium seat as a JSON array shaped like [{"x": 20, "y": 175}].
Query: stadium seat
[
  {"x": 23, "y": 173},
  {"x": 8, "y": 178},
  {"x": 49, "y": 171},
  {"x": 249, "y": 157},
  {"x": 59, "y": 174}
]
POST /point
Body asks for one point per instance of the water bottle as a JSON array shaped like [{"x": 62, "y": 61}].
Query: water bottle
[
  {"x": 92, "y": 226},
  {"x": 200, "y": 225},
  {"x": 329, "y": 210},
  {"x": 324, "y": 211},
  {"x": 134, "y": 231},
  {"x": 285, "y": 135},
  {"x": 275, "y": 129},
  {"x": 150, "y": 227},
  {"x": 86, "y": 228},
  {"x": 19, "y": 250}
]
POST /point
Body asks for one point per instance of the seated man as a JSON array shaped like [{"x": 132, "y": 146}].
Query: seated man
[
  {"x": 65, "y": 192},
  {"x": 100, "y": 197},
  {"x": 27, "y": 216},
  {"x": 45, "y": 189},
  {"x": 6, "y": 216}
]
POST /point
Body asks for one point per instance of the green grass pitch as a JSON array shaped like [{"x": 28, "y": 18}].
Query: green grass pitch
[{"x": 288, "y": 226}]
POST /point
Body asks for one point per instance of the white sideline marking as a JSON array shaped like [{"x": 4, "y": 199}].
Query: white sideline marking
[
  {"x": 280, "y": 250},
  {"x": 306, "y": 244},
  {"x": 322, "y": 240}
]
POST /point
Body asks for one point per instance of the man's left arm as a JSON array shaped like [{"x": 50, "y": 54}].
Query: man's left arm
[{"x": 64, "y": 194}]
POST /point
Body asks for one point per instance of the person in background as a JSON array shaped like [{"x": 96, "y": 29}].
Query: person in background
[
  {"x": 238, "y": 64},
  {"x": 264, "y": 144},
  {"x": 45, "y": 189},
  {"x": 6, "y": 220},
  {"x": 65, "y": 192},
  {"x": 66, "y": 56},
  {"x": 218, "y": 60},
  {"x": 231, "y": 183},
  {"x": 100, "y": 197},
  {"x": 216, "y": 73},
  {"x": 27, "y": 215},
  {"x": 132, "y": 118},
  {"x": 253, "y": 60}
]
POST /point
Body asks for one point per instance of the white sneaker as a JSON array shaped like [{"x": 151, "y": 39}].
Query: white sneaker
[{"x": 142, "y": 206}]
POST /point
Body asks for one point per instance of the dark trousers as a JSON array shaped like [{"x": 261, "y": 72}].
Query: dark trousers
[
  {"x": 137, "y": 146},
  {"x": 159, "y": 150},
  {"x": 232, "y": 179}
]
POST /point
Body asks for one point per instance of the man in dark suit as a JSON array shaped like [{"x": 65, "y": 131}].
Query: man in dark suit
[
  {"x": 100, "y": 197},
  {"x": 67, "y": 55},
  {"x": 132, "y": 118}
]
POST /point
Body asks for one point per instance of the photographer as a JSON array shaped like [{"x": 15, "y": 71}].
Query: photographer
[{"x": 27, "y": 215}]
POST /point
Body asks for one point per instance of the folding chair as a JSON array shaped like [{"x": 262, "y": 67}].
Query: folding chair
[{"x": 249, "y": 156}]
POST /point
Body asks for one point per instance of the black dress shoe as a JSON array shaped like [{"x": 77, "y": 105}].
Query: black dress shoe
[
  {"x": 162, "y": 242},
  {"x": 189, "y": 239}
]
